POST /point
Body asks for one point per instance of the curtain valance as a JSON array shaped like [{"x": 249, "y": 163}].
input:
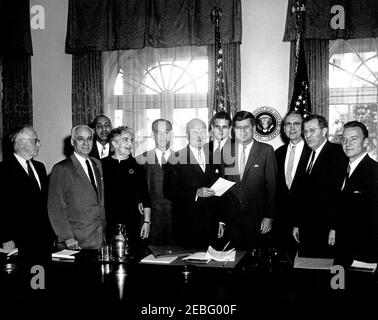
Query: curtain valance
[
  {"x": 106, "y": 25},
  {"x": 15, "y": 35},
  {"x": 323, "y": 18}
]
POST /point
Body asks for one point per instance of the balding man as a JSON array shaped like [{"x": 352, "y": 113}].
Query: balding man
[
  {"x": 76, "y": 196},
  {"x": 24, "y": 221},
  {"x": 186, "y": 183}
]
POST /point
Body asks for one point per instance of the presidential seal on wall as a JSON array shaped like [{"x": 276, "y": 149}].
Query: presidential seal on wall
[{"x": 268, "y": 123}]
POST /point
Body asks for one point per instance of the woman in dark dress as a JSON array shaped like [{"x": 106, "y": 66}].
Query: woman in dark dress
[{"x": 126, "y": 194}]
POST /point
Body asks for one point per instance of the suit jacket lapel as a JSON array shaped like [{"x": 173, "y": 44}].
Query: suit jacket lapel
[
  {"x": 80, "y": 171},
  {"x": 97, "y": 174},
  {"x": 251, "y": 157},
  {"x": 193, "y": 161}
]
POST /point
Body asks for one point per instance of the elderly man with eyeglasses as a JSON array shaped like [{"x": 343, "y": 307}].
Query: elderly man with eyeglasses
[
  {"x": 24, "y": 221},
  {"x": 315, "y": 229},
  {"x": 292, "y": 158}
]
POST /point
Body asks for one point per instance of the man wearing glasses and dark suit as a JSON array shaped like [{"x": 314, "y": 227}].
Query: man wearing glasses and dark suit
[
  {"x": 314, "y": 226},
  {"x": 25, "y": 223}
]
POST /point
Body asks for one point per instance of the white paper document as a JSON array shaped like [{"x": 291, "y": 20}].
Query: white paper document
[
  {"x": 221, "y": 186},
  {"x": 9, "y": 252},
  {"x": 221, "y": 255},
  {"x": 364, "y": 265},
  {"x": 313, "y": 263},
  {"x": 159, "y": 260},
  {"x": 198, "y": 256},
  {"x": 65, "y": 254}
]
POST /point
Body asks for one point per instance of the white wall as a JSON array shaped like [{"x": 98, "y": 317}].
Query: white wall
[
  {"x": 264, "y": 69},
  {"x": 51, "y": 80},
  {"x": 264, "y": 57}
]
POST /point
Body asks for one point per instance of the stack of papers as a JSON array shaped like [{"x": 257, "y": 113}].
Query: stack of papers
[
  {"x": 9, "y": 252},
  {"x": 221, "y": 255},
  {"x": 158, "y": 260},
  {"x": 313, "y": 263},
  {"x": 198, "y": 257},
  {"x": 364, "y": 266},
  {"x": 65, "y": 254}
]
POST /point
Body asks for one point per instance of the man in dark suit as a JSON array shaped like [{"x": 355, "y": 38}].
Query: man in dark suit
[
  {"x": 314, "y": 228},
  {"x": 358, "y": 234},
  {"x": 252, "y": 199},
  {"x": 187, "y": 182},
  {"x": 292, "y": 158},
  {"x": 76, "y": 196},
  {"x": 102, "y": 127},
  {"x": 221, "y": 143},
  {"x": 25, "y": 222},
  {"x": 154, "y": 161}
]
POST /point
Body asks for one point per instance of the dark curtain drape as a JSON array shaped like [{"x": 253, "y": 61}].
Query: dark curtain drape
[
  {"x": 87, "y": 87},
  {"x": 15, "y": 51},
  {"x": 98, "y": 25},
  {"x": 317, "y": 59},
  {"x": 360, "y": 20},
  {"x": 231, "y": 58}
]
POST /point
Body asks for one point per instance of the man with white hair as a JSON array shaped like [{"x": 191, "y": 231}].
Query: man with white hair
[
  {"x": 24, "y": 224},
  {"x": 187, "y": 182},
  {"x": 76, "y": 196}
]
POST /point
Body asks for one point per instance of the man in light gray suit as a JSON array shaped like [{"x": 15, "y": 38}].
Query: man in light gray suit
[{"x": 76, "y": 196}]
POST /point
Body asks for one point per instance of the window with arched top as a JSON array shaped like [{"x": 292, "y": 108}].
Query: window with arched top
[
  {"x": 146, "y": 84},
  {"x": 353, "y": 87}
]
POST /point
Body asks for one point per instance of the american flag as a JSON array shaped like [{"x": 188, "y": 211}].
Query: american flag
[
  {"x": 301, "y": 92},
  {"x": 219, "y": 92}
]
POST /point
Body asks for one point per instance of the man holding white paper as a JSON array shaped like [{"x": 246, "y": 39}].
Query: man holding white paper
[{"x": 187, "y": 179}]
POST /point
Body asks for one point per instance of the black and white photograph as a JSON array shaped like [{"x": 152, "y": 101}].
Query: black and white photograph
[{"x": 189, "y": 159}]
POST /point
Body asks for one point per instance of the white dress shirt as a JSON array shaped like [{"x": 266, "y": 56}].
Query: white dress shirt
[
  {"x": 317, "y": 152},
  {"x": 196, "y": 153},
  {"x": 23, "y": 163},
  {"x": 246, "y": 152},
  {"x": 298, "y": 152},
  {"x": 103, "y": 150},
  {"x": 159, "y": 153},
  {"x": 84, "y": 165}
]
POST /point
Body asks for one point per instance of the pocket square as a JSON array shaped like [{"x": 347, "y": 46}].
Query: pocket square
[
  {"x": 256, "y": 166},
  {"x": 216, "y": 171}
]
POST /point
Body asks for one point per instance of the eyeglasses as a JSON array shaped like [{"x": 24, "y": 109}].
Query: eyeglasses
[
  {"x": 310, "y": 131},
  {"x": 292, "y": 124},
  {"x": 34, "y": 141}
]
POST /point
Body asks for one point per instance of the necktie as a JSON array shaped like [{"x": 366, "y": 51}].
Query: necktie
[
  {"x": 217, "y": 155},
  {"x": 31, "y": 173},
  {"x": 242, "y": 162},
  {"x": 91, "y": 176},
  {"x": 200, "y": 161},
  {"x": 162, "y": 160},
  {"x": 309, "y": 168},
  {"x": 103, "y": 152},
  {"x": 289, "y": 169},
  {"x": 347, "y": 176}
]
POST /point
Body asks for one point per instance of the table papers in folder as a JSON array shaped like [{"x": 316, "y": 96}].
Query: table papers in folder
[
  {"x": 158, "y": 260},
  {"x": 212, "y": 254},
  {"x": 221, "y": 186},
  {"x": 313, "y": 263},
  {"x": 64, "y": 254},
  {"x": 364, "y": 266}
]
